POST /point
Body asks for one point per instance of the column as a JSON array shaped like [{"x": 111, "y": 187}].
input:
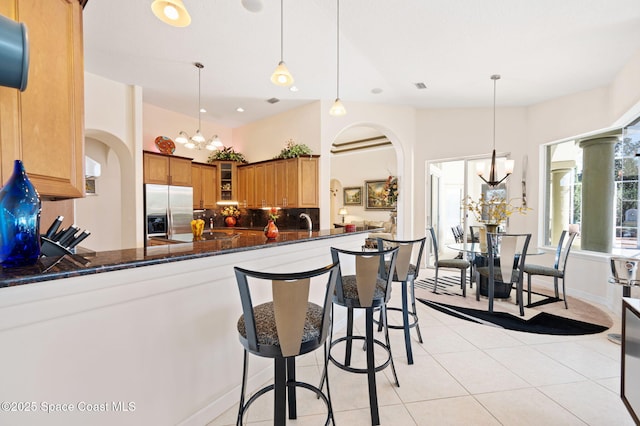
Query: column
[
  {"x": 598, "y": 190},
  {"x": 560, "y": 197}
]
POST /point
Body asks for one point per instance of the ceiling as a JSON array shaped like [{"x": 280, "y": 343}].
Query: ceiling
[{"x": 543, "y": 49}]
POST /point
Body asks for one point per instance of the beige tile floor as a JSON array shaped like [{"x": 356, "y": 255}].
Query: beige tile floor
[{"x": 470, "y": 374}]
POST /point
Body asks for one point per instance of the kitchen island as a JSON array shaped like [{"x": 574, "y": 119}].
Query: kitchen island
[{"x": 140, "y": 336}]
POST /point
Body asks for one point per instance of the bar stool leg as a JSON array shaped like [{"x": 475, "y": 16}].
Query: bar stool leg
[
  {"x": 347, "y": 351},
  {"x": 371, "y": 368},
  {"x": 405, "y": 322},
  {"x": 280, "y": 392},
  {"x": 414, "y": 311},
  {"x": 245, "y": 367},
  {"x": 291, "y": 387}
]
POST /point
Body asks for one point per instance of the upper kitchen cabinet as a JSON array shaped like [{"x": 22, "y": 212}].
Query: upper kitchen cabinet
[
  {"x": 205, "y": 182},
  {"x": 227, "y": 180},
  {"x": 167, "y": 169},
  {"x": 44, "y": 125},
  {"x": 286, "y": 183}
]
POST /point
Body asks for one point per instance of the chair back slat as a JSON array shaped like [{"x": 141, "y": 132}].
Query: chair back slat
[
  {"x": 407, "y": 250},
  {"x": 564, "y": 247},
  {"x": 367, "y": 268},
  {"x": 290, "y": 299}
]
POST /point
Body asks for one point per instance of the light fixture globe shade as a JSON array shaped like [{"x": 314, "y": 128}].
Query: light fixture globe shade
[
  {"x": 338, "y": 108},
  {"x": 171, "y": 12},
  {"x": 281, "y": 76},
  {"x": 190, "y": 144},
  {"x": 210, "y": 146},
  {"x": 252, "y": 5},
  {"x": 182, "y": 138},
  {"x": 198, "y": 137},
  {"x": 343, "y": 211},
  {"x": 508, "y": 166}
]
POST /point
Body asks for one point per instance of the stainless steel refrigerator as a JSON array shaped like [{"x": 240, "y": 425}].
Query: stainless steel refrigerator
[{"x": 168, "y": 210}]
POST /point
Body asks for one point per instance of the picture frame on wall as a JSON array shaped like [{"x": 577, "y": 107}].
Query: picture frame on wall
[
  {"x": 352, "y": 196},
  {"x": 488, "y": 192},
  {"x": 375, "y": 195}
]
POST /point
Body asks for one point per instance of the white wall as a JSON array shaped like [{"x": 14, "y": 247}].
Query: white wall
[
  {"x": 162, "y": 122},
  {"x": 264, "y": 139}
]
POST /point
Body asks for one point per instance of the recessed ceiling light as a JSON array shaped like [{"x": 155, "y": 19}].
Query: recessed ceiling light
[
  {"x": 202, "y": 110},
  {"x": 293, "y": 88},
  {"x": 420, "y": 85},
  {"x": 376, "y": 90},
  {"x": 273, "y": 100},
  {"x": 240, "y": 109}
]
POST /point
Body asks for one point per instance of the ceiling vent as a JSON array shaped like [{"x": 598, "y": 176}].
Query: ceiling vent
[
  {"x": 420, "y": 85},
  {"x": 273, "y": 100}
]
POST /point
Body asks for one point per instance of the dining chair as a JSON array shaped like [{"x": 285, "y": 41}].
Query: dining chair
[
  {"x": 506, "y": 255},
  {"x": 461, "y": 264},
  {"x": 557, "y": 271},
  {"x": 474, "y": 231},
  {"x": 294, "y": 321}
]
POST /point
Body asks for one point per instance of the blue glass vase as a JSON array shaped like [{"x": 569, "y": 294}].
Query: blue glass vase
[{"x": 19, "y": 220}]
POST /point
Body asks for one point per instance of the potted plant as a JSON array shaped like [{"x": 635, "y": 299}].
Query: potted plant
[
  {"x": 231, "y": 215},
  {"x": 293, "y": 150},
  {"x": 226, "y": 154}
]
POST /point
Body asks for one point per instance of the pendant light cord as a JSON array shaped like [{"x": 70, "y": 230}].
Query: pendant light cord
[
  {"x": 281, "y": 30},
  {"x": 338, "y": 49}
]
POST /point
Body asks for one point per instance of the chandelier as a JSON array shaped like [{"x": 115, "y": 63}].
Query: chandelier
[
  {"x": 198, "y": 141},
  {"x": 508, "y": 164}
]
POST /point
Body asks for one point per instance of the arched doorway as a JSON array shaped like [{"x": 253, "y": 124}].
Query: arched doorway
[{"x": 361, "y": 156}]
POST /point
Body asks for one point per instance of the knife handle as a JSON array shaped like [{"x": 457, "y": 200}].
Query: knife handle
[
  {"x": 68, "y": 235},
  {"x": 54, "y": 227},
  {"x": 78, "y": 239}
]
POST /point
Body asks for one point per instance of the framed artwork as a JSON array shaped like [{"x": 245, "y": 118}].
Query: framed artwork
[
  {"x": 376, "y": 195},
  {"x": 353, "y": 196},
  {"x": 498, "y": 192}
]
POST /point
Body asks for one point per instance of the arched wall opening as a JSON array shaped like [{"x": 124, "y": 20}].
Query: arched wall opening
[{"x": 110, "y": 214}]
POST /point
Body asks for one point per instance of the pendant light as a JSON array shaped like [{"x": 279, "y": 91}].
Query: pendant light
[
  {"x": 338, "y": 108},
  {"x": 198, "y": 141},
  {"x": 171, "y": 12},
  {"x": 508, "y": 164},
  {"x": 281, "y": 76}
]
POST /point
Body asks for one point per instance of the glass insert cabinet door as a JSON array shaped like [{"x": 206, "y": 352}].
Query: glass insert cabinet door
[{"x": 226, "y": 181}]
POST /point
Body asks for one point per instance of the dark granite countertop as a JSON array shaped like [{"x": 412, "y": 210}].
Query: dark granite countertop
[{"x": 52, "y": 268}]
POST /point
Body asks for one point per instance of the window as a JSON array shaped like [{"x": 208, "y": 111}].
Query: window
[{"x": 563, "y": 201}]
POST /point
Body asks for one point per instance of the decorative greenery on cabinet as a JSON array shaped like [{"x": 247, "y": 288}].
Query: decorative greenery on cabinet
[
  {"x": 226, "y": 154},
  {"x": 293, "y": 150}
]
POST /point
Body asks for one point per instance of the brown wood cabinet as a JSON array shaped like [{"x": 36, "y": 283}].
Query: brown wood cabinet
[
  {"x": 205, "y": 181},
  {"x": 227, "y": 180},
  {"x": 286, "y": 183},
  {"x": 44, "y": 125},
  {"x": 167, "y": 169}
]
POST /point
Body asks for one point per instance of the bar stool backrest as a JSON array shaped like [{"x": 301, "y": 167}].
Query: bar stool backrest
[
  {"x": 407, "y": 249},
  {"x": 370, "y": 269},
  {"x": 291, "y": 301}
]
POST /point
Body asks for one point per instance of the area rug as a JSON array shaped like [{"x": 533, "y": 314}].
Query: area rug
[
  {"x": 543, "y": 323},
  {"x": 546, "y": 314}
]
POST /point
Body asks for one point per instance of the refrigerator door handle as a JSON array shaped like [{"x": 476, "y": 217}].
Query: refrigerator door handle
[{"x": 169, "y": 223}]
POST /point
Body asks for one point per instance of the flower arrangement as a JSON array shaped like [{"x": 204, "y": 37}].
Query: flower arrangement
[
  {"x": 273, "y": 214},
  {"x": 226, "y": 154},
  {"x": 230, "y": 211},
  {"x": 391, "y": 190},
  {"x": 292, "y": 150},
  {"x": 494, "y": 210}
]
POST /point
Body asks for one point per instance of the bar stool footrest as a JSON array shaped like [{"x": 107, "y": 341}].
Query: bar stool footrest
[
  {"x": 413, "y": 319},
  {"x": 271, "y": 387},
  {"x": 350, "y": 369}
]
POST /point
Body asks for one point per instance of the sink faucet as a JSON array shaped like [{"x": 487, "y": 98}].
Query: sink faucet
[{"x": 306, "y": 216}]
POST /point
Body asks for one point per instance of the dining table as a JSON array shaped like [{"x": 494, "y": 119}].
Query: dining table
[{"x": 478, "y": 256}]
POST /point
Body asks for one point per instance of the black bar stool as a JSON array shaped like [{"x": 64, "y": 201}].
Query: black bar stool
[
  {"x": 283, "y": 328},
  {"x": 406, "y": 272},
  {"x": 365, "y": 289}
]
